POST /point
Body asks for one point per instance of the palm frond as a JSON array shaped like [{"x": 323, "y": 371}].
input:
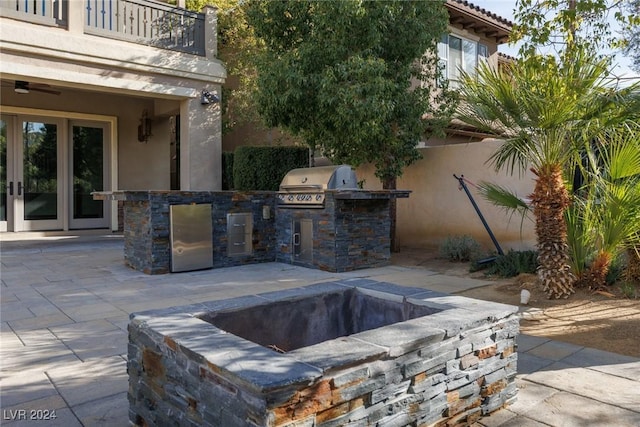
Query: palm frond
[
  {"x": 505, "y": 199},
  {"x": 622, "y": 153},
  {"x": 543, "y": 111},
  {"x": 579, "y": 240},
  {"x": 610, "y": 202}
]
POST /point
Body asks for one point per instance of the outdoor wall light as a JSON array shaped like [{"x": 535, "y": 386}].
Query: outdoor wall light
[
  {"x": 21, "y": 87},
  {"x": 144, "y": 128},
  {"x": 207, "y": 98}
]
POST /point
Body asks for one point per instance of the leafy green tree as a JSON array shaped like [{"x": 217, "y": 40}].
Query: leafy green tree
[
  {"x": 561, "y": 26},
  {"x": 237, "y": 47},
  {"x": 631, "y": 31},
  {"x": 355, "y": 79}
]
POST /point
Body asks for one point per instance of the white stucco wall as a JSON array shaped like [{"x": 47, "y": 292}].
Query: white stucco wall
[
  {"x": 99, "y": 75},
  {"x": 141, "y": 166},
  {"x": 200, "y": 160},
  {"x": 436, "y": 207}
]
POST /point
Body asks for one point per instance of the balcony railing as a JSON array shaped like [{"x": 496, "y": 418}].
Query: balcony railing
[
  {"x": 140, "y": 21},
  {"x": 147, "y": 22},
  {"x": 46, "y": 12}
]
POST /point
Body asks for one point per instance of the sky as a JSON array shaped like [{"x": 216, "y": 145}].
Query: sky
[{"x": 505, "y": 9}]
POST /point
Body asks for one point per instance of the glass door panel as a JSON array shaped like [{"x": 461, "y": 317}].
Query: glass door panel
[
  {"x": 40, "y": 171},
  {"x": 88, "y": 166},
  {"x": 38, "y": 177},
  {"x": 88, "y": 175},
  {"x": 48, "y": 169},
  {"x": 4, "y": 182}
]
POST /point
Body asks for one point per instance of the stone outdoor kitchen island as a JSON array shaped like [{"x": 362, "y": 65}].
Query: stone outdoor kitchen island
[{"x": 353, "y": 352}]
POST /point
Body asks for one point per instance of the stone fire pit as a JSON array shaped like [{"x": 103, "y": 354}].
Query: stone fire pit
[{"x": 353, "y": 352}]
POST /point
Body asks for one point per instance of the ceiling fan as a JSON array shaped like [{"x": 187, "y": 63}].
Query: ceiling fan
[{"x": 24, "y": 87}]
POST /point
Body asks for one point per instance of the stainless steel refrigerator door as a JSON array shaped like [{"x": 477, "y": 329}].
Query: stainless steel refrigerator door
[{"x": 191, "y": 237}]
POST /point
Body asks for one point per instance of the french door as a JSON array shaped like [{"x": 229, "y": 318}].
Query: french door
[
  {"x": 32, "y": 167},
  {"x": 88, "y": 173},
  {"x": 48, "y": 168},
  {"x": 6, "y": 171}
]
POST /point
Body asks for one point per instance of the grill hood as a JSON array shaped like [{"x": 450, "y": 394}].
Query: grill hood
[{"x": 341, "y": 177}]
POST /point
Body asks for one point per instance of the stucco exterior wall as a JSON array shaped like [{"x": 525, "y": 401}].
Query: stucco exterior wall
[
  {"x": 98, "y": 75},
  {"x": 141, "y": 165},
  {"x": 436, "y": 207},
  {"x": 200, "y": 160}
]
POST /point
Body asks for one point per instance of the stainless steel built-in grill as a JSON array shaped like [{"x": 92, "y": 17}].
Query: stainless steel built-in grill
[{"x": 305, "y": 187}]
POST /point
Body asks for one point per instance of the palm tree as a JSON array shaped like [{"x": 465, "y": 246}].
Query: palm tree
[
  {"x": 609, "y": 207},
  {"x": 545, "y": 110}
]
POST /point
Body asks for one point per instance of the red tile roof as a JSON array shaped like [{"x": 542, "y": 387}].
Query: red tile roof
[{"x": 469, "y": 16}]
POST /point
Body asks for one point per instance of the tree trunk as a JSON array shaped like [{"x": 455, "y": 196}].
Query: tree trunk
[
  {"x": 390, "y": 184},
  {"x": 549, "y": 200},
  {"x": 595, "y": 277},
  {"x": 632, "y": 271}
]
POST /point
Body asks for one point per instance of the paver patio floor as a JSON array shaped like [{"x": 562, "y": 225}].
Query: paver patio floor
[{"x": 63, "y": 343}]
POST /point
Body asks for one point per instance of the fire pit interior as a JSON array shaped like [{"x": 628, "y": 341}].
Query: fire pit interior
[
  {"x": 289, "y": 325},
  {"x": 393, "y": 356}
]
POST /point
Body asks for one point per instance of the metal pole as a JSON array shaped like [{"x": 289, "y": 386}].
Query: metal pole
[{"x": 475, "y": 206}]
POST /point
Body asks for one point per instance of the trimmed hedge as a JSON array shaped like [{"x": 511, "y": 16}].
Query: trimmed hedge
[
  {"x": 227, "y": 170},
  {"x": 262, "y": 168}
]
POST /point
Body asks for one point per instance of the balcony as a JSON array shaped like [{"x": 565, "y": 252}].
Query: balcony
[{"x": 144, "y": 22}]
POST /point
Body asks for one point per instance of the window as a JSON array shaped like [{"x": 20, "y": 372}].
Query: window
[{"x": 457, "y": 54}]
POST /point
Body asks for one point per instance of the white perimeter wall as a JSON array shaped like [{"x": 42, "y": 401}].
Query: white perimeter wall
[{"x": 436, "y": 207}]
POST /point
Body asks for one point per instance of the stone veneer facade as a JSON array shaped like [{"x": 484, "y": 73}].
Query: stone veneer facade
[
  {"x": 447, "y": 368},
  {"x": 147, "y": 246},
  {"x": 351, "y": 230},
  {"x": 348, "y": 233}
]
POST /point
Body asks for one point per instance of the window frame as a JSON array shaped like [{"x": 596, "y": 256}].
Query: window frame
[{"x": 445, "y": 60}]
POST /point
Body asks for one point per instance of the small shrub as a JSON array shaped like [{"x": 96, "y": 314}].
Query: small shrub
[
  {"x": 628, "y": 290},
  {"x": 482, "y": 262},
  {"x": 513, "y": 263},
  {"x": 615, "y": 271},
  {"x": 460, "y": 248}
]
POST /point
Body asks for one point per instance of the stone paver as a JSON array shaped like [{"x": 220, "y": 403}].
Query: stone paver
[
  {"x": 570, "y": 410},
  {"x": 554, "y": 350},
  {"x": 18, "y": 389},
  {"x": 63, "y": 341},
  {"x": 82, "y": 382},
  {"x": 106, "y": 412},
  {"x": 405, "y": 276},
  {"x": 92, "y": 338},
  {"x": 609, "y": 363},
  {"x": 587, "y": 383}
]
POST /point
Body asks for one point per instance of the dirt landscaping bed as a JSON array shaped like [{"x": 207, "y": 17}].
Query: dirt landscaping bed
[{"x": 606, "y": 321}]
